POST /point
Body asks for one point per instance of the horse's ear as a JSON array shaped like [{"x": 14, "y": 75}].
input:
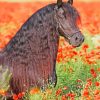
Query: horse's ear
[
  {"x": 70, "y": 2},
  {"x": 59, "y": 3}
]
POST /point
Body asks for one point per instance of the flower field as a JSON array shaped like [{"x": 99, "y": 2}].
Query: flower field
[{"x": 78, "y": 69}]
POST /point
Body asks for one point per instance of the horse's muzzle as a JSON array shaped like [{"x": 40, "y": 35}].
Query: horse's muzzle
[{"x": 77, "y": 39}]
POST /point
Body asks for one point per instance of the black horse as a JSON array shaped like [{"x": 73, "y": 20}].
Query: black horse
[{"x": 31, "y": 53}]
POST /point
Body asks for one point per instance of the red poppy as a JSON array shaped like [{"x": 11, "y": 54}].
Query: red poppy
[
  {"x": 58, "y": 92},
  {"x": 85, "y": 93},
  {"x": 97, "y": 83},
  {"x": 15, "y": 97}
]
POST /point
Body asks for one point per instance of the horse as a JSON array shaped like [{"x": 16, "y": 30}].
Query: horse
[{"x": 31, "y": 54}]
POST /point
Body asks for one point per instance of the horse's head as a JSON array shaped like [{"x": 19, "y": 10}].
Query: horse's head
[{"x": 66, "y": 17}]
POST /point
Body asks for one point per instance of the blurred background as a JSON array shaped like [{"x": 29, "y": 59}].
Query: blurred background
[{"x": 43, "y": 0}]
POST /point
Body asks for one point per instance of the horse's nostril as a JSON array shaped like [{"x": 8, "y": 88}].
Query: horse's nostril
[
  {"x": 79, "y": 39},
  {"x": 76, "y": 38}
]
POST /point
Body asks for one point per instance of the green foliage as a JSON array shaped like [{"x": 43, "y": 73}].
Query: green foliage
[{"x": 5, "y": 77}]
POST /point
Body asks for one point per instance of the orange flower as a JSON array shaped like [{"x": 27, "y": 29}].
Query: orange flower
[
  {"x": 85, "y": 47},
  {"x": 65, "y": 88},
  {"x": 2, "y": 92},
  {"x": 88, "y": 98},
  {"x": 60, "y": 50},
  {"x": 20, "y": 95},
  {"x": 89, "y": 82},
  {"x": 96, "y": 92},
  {"x": 15, "y": 97},
  {"x": 97, "y": 97},
  {"x": 74, "y": 52},
  {"x": 58, "y": 92},
  {"x": 97, "y": 84},
  {"x": 93, "y": 73},
  {"x": 64, "y": 97},
  {"x": 85, "y": 93},
  {"x": 79, "y": 80},
  {"x": 34, "y": 91},
  {"x": 98, "y": 69},
  {"x": 72, "y": 95}
]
